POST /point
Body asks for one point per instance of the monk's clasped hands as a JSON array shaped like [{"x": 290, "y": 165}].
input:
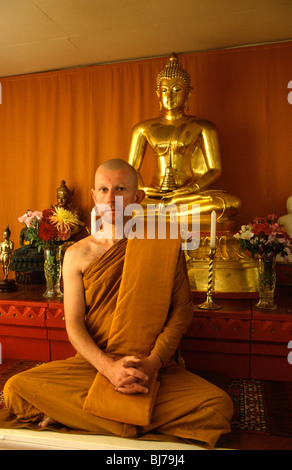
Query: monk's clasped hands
[
  {"x": 132, "y": 375},
  {"x": 131, "y": 378}
]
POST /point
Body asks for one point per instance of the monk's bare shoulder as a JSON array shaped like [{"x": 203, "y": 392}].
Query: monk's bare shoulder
[
  {"x": 76, "y": 253},
  {"x": 78, "y": 248},
  {"x": 80, "y": 255}
]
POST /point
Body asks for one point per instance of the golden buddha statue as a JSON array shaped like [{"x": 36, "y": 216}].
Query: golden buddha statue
[
  {"x": 64, "y": 196},
  {"x": 6, "y": 250},
  {"x": 187, "y": 163},
  {"x": 64, "y": 201},
  {"x": 187, "y": 153}
]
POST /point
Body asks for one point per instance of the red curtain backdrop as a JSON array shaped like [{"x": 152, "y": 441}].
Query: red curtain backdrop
[{"x": 63, "y": 124}]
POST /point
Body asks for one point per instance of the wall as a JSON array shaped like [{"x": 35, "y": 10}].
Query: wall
[{"x": 61, "y": 125}]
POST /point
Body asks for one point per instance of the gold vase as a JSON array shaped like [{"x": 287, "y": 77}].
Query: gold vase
[
  {"x": 267, "y": 284},
  {"x": 53, "y": 270}
]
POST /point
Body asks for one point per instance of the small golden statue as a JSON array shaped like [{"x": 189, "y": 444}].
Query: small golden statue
[
  {"x": 64, "y": 196},
  {"x": 64, "y": 201},
  {"x": 187, "y": 153},
  {"x": 6, "y": 250}
]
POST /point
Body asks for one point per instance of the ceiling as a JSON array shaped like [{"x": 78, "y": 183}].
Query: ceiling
[{"x": 42, "y": 35}]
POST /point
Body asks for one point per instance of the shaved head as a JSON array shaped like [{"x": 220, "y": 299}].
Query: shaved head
[
  {"x": 118, "y": 164},
  {"x": 114, "y": 179}
]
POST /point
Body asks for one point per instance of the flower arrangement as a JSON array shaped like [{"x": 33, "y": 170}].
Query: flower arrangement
[
  {"x": 51, "y": 227},
  {"x": 265, "y": 238}
]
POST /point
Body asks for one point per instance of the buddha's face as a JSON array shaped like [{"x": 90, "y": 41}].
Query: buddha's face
[
  {"x": 62, "y": 199},
  {"x": 173, "y": 94}
]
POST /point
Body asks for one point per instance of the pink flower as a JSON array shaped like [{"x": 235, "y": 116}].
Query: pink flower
[
  {"x": 38, "y": 215},
  {"x": 272, "y": 237},
  {"x": 64, "y": 233},
  {"x": 29, "y": 217}
]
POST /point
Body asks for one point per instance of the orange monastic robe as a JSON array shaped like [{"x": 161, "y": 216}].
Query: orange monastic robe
[{"x": 136, "y": 304}]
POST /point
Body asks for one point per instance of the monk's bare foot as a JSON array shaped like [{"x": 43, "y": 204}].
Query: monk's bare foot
[{"x": 46, "y": 422}]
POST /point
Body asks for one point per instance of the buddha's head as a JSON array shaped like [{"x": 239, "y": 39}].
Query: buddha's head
[
  {"x": 64, "y": 195},
  {"x": 173, "y": 85},
  {"x": 7, "y": 233}
]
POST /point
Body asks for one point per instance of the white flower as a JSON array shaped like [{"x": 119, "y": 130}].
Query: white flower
[
  {"x": 244, "y": 233},
  {"x": 247, "y": 235}
]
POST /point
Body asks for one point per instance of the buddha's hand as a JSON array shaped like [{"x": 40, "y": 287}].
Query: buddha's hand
[
  {"x": 170, "y": 196},
  {"x": 193, "y": 189},
  {"x": 152, "y": 192}
]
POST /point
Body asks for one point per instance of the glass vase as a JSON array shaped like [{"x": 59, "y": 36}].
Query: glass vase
[
  {"x": 267, "y": 284},
  {"x": 53, "y": 270}
]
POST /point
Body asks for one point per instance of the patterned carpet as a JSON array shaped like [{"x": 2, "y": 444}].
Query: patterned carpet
[
  {"x": 250, "y": 410},
  {"x": 261, "y": 408}
]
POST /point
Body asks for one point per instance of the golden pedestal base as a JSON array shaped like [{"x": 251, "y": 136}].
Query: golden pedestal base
[{"x": 234, "y": 271}]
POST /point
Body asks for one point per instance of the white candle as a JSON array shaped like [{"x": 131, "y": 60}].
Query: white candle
[
  {"x": 93, "y": 221},
  {"x": 213, "y": 230}
]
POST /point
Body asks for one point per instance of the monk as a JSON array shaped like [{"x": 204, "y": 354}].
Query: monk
[{"x": 126, "y": 326}]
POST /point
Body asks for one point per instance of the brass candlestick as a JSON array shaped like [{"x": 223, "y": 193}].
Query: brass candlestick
[{"x": 209, "y": 304}]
